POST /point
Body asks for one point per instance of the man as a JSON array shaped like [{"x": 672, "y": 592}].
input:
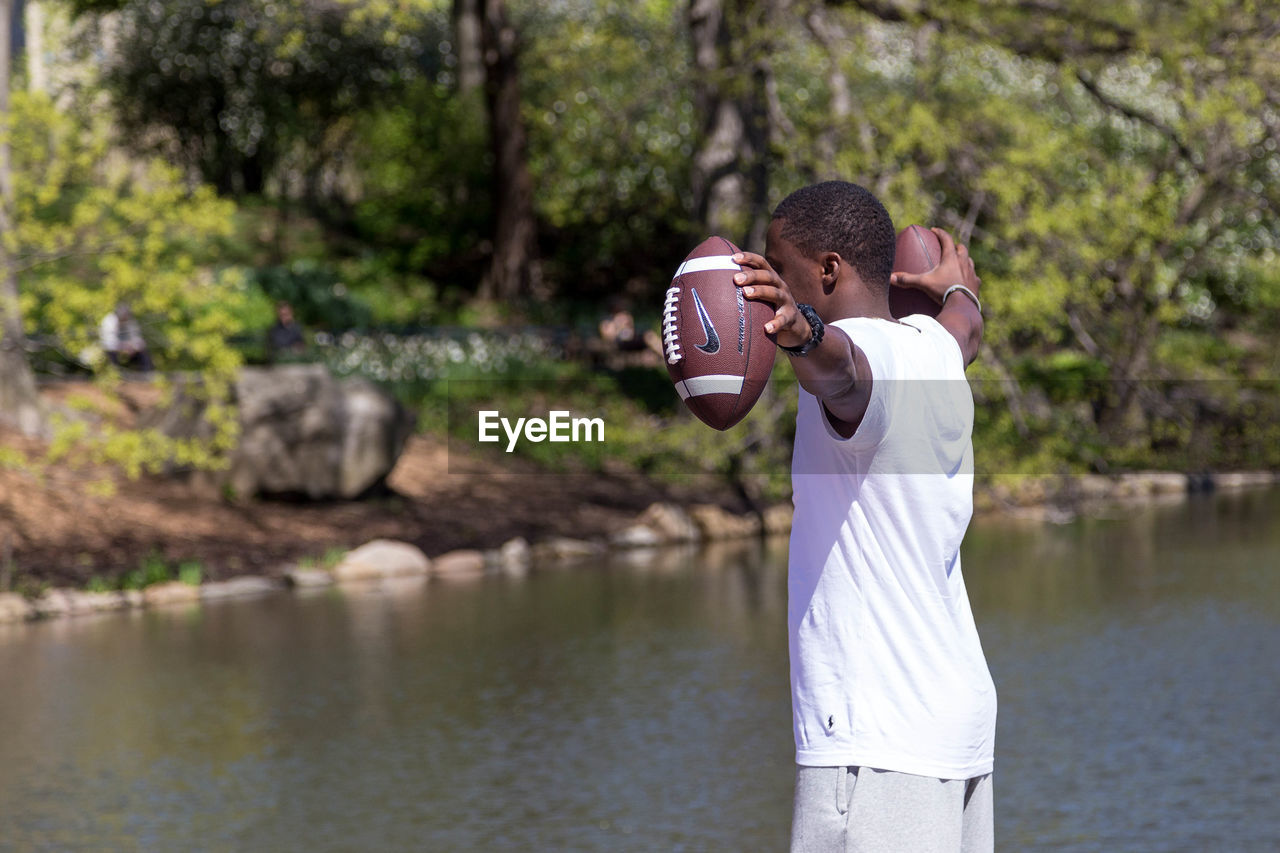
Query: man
[
  {"x": 121, "y": 340},
  {"x": 285, "y": 338},
  {"x": 893, "y": 705}
]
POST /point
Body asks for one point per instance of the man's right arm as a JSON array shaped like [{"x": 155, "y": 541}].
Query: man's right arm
[{"x": 959, "y": 315}]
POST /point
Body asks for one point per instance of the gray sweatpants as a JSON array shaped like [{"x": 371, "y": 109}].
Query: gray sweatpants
[{"x": 861, "y": 810}]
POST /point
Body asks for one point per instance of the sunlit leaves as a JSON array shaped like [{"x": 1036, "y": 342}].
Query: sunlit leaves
[{"x": 94, "y": 229}]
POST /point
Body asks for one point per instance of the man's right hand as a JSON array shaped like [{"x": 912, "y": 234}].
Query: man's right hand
[
  {"x": 955, "y": 267},
  {"x": 959, "y": 316}
]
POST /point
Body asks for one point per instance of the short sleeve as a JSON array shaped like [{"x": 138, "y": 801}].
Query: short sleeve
[{"x": 948, "y": 347}]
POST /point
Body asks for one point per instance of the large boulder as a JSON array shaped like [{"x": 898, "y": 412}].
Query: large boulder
[
  {"x": 458, "y": 565},
  {"x": 635, "y": 536},
  {"x": 14, "y": 608},
  {"x": 670, "y": 522},
  {"x": 561, "y": 550},
  {"x": 303, "y": 433},
  {"x": 777, "y": 519},
  {"x": 300, "y": 578},
  {"x": 170, "y": 593},
  {"x": 717, "y": 523},
  {"x": 239, "y": 587},
  {"x": 381, "y": 559}
]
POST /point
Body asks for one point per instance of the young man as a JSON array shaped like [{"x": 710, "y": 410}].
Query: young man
[
  {"x": 121, "y": 339},
  {"x": 892, "y": 703},
  {"x": 285, "y": 338}
]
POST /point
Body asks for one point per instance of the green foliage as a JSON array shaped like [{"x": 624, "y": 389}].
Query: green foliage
[
  {"x": 241, "y": 86},
  {"x": 612, "y": 128},
  {"x": 152, "y": 570},
  {"x": 92, "y": 230},
  {"x": 331, "y": 557},
  {"x": 327, "y": 561},
  {"x": 317, "y": 293},
  {"x": 425, "y": 203},
  {"x": 1115, "y": 246},
  {"x": 1114, "y": 169},
  {"x": 98, "y": 584},
  {"x": 190, "y": 572}
]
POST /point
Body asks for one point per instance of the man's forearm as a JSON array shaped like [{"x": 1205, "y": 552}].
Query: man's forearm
[{"x": 961, "y": 318}]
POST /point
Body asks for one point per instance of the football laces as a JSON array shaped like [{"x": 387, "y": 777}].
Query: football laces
[{"x": 670, "y": 328}]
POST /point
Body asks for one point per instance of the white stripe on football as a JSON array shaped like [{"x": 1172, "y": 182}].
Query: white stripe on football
[
  {"x": 715, "y": 262},
  {"x": 696, "y": 386}
]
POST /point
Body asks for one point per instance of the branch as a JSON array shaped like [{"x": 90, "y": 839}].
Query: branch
[
  {"x": 30, "y": 262},
  {"x": 971, "y": 218},
  {"x": 75, "y": 248},
  {"x": 1137, "y": 115},
  {"x": 1085, "y": 31},
  {"x": 1082, "y": 334}
]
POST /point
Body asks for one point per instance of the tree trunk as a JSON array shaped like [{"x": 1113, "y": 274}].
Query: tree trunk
[
  {"x": 37, "y": 70},
  {"x": 513, "y": 271},
  {"x": 19, "y": 402},
  {"x": 468, "y": 36},
  {"x": 730, "y": 169},
  {"x": 834, "y": 41}
]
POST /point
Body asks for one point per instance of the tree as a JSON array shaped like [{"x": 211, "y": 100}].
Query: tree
[
  {"x": 234, "y": 89},
  {"x": 514, "y": 272},
  {"x": 19, "y": 402},
  {"x": 90, "y": 229},
  {"x": 730, "y": 182},
  {"x": 1111, "y": 163}
]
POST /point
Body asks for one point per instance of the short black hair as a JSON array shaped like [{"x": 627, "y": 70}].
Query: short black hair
[{"x": 840, "y": 217}]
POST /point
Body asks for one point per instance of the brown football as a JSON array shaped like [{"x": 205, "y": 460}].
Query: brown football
[
  {"x": 713, "y": 339},
  {"x": 917, "y": 251}
]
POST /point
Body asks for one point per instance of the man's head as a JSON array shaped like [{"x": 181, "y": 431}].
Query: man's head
[
  {"x": 822, "y": 233},
  {"x": 284, "y": 312},
  {"x": 123, "y": 311}
]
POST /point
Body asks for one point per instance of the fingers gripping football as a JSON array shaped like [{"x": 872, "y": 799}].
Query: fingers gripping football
[
  {"x": 955, "y": 267},
  {"x": 761, "y": 283}
]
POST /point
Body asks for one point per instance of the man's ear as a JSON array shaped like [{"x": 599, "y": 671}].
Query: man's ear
[{"x": 831, "y": 262}]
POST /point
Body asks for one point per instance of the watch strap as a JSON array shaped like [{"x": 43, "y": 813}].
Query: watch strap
[{"x": 816, "y": 328}]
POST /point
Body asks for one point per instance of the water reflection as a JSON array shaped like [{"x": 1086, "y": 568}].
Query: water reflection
[{"x": 642, "y": 704}]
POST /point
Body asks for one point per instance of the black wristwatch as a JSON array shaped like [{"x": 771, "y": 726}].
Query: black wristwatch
[{"x": 815, "y": 326}]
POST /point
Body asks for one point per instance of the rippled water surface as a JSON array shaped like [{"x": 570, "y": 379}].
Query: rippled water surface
[{"x": 644, "y": 706}]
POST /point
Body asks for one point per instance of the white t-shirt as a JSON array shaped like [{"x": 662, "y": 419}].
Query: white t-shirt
[{"x": 886, "y": 667}]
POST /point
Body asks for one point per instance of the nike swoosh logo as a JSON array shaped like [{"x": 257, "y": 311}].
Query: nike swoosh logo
[{"x": 712, "y": 346}]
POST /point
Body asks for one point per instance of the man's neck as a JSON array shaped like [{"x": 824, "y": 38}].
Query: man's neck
[{"x": 857, "y": 301}]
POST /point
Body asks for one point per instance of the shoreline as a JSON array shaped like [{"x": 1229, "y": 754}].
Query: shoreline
[
  {"x": 662, "y": 526},
  {"x": 1064, "y": 497}
]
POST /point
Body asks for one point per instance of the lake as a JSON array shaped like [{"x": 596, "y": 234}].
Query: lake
[{"x": 644, "y": 705}]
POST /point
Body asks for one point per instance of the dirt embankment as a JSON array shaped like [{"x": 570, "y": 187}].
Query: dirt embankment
[{"x": 53, "y": 528}]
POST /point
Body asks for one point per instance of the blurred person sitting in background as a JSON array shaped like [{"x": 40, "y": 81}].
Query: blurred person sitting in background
[
  {"x": 121, "y": 339},
  {"x": 285, "y": 338},
  {"x": 619, "y": 332}
]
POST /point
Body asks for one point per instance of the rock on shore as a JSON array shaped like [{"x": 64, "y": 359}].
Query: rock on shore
[
  {"x": 382, "y": 558},
  {"x": 302, "y": 432}
]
